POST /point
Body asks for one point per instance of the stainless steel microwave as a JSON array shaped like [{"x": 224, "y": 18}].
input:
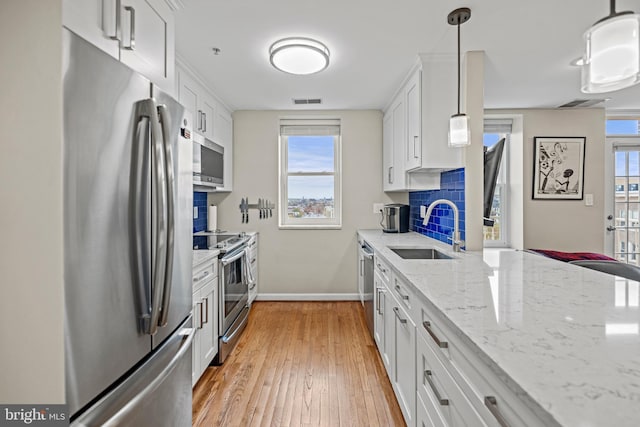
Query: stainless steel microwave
[{"x": 208, "y": 162}]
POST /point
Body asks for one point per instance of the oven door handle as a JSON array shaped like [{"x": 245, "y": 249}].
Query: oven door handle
[{"x": 227, "y": 261}]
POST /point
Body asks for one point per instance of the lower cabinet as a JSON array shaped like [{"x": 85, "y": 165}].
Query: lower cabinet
[
  {"x": 438, "y": 381},
  {"x": 205, "y": 320},
  {"x": 379, "y": 291},
  {"x": 404, "y": 362}
]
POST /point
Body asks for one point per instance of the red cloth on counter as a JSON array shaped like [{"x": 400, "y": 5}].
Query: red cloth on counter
[{"x": 571, "y": 256}]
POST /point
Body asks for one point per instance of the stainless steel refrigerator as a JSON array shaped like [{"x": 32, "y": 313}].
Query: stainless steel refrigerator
[{"x": 127, "y": 251}]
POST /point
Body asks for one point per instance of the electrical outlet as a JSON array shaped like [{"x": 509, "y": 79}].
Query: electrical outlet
[
  {"x": 423, "y": 211},
  {"x": 588, "y": 199},
  {"x": 377, "y": 207},
  {"x": 195, "y": 212}
]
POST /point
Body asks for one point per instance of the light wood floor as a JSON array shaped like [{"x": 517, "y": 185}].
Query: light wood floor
[{"x": 299, "y": 364}]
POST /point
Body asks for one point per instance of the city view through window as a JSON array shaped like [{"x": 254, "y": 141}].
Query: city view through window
[{"x": 311, "y": 177}]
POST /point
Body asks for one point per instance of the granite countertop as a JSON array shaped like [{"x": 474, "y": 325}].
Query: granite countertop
[
  {"x": 565, "y": 338},
  {"x": 201, "y": 256}
]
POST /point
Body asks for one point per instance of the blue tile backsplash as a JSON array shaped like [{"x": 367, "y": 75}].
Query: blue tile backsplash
[
  {"x": 440, "y": 224},
  {"x": 200, "y": 223}
]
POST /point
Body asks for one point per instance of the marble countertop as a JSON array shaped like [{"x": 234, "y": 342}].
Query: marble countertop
[
  {"x": 563, "y": 337},
  {"x": 201, "y": 256}
]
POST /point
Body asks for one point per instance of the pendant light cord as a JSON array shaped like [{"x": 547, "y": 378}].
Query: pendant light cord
[
  {"x": 459, "y": 65},
  {"x": 612, "y": 7}
]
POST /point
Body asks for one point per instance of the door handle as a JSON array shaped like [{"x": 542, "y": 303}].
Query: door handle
[
  {"x": 415, "y": 152},
  {"x": 611, "y": 228}
]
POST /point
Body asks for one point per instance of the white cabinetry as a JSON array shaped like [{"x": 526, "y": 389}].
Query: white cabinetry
[
  {"x": 404, "y": 359},
  {"x": 205, "y": 317},
  {"x": 437, "y": 379},
  {"x": 139, "y": 33},
  {"x": 415, "y": 127},
  {"x": 393, "y": 146},
  {"x": 210, "y": 117},
  {"x": 253, "y": 265},
  {"x": 413, "y": 141},
  {"x": 395, "y": 335}
]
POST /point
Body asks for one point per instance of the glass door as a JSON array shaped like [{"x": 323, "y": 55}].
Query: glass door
[{"x": 624, "y": 223}]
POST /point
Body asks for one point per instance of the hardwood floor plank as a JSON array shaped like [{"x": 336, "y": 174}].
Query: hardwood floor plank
[{"x": 299, "y": 364}]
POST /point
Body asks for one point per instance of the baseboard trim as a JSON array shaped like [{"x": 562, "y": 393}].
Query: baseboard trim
[{"x": 308, "y": 297}]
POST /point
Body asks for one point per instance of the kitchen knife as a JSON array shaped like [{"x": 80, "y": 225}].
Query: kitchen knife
[
  {"x": 246, "y": 208},
  {"x": 242, "y": 209},
  {"x": 260, "y": 208}
]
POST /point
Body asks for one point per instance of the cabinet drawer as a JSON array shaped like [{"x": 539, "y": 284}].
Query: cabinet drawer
[
  {"x": 382, "y": 267},
  {"x": 444, "y": 400},
  {"x": 204, "y": 275},
  {"x": 402, "y": 291}
]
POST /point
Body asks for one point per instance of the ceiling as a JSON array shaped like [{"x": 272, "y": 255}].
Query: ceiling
[{"x": 529, "y": 46}]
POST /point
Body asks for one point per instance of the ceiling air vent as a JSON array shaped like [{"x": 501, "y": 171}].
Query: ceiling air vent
[
  {"x": 582, "y": 103},
  {"x": 307, "y": 101}
]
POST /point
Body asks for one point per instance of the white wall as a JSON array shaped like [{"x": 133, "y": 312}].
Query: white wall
[
  {"x": 31, "y": 258},
  {"x": 565, "y": 225},
  {"x": 306, "y": 261}
]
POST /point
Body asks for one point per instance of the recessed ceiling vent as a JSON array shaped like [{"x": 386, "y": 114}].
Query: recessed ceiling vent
[
  {"x": 307, "y": 101},
  {"x": 582, "y": 103}
]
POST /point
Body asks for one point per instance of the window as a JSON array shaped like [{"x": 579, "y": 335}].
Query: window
[
  {"x": 623, "y": 127},
  {"x": 494, "y": 130},
  {"x": 310, "y": 172}
]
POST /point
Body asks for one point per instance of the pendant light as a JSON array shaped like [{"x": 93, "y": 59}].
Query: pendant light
[
  {"x": 459, "y": 132},
  {"x": 612, "y": 52}
]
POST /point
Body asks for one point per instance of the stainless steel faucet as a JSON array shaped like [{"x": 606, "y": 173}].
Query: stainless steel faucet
[{"x": 455, "y": 238}]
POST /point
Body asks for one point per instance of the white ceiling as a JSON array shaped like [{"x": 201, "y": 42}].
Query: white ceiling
[{"x": 529, "y": 45}]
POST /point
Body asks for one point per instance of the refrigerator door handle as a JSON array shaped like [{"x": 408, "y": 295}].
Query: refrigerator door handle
[
  {"x": 171, "y": 207},
  {"x": 138, "y": 220},
  {"x": 147, "y": 108}
]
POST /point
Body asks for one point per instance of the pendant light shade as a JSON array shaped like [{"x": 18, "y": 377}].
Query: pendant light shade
[
  {"x": 299, "y": 55},
  {"x": 612, "y": 53},
  {"x": 459, "y": 132}
]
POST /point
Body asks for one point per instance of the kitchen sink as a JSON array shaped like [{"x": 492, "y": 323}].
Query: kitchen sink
[{"x": 419, "y": 253}]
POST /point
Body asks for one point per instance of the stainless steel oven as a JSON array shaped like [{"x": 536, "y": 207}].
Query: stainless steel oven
[{"x": 234, "y": 298}]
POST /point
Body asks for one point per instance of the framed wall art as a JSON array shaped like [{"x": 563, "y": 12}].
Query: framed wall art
[{"x": 558, "y": 168}]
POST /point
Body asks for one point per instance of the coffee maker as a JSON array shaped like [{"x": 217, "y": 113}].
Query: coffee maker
[{"x": 395, "y": 218}]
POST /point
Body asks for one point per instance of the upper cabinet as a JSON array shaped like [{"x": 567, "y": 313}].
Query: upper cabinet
[
  {"x": 415, "y": 127},
  {"x": 412, "y": 97},
  {"x": 210, "y": 117},
  {"x": 394, "y": 146},
  {"x": 139, "y": 33}
]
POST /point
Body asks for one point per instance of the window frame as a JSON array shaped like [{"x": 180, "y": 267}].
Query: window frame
[
  {"x": 284, "y": 221},
  {"x": 503, "y": 127}
]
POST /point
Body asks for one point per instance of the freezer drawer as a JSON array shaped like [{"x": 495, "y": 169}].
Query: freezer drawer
[{"x": 158, "y": 393}]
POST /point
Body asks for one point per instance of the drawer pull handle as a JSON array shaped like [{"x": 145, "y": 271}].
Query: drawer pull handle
[
  {"x": 427, "y": 325},
  {"x": 384, "y": 270},
  {"x": 378, "y": 306},
  {"x": 206, "y": 310},
  {"x": 491, "y": 403},
  {"x": 397, "y": 311},
  {"x": 404, "y": 297},
  {"x": 199, "y": 304},
  {"x": 427, "y": 376}
]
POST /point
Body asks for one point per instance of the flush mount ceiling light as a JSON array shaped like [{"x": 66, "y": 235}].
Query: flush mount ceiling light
[
  {"x": 299, "y": 55},
  {"x": 612, "y": 52},
  {"x": 459, "y": 133}
]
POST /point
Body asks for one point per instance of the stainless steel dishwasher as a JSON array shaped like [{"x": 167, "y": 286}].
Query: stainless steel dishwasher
[{"x": 367, "y": 255}]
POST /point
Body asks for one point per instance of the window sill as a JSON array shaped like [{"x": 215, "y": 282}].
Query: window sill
[{"x": 310, "y": 227}]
